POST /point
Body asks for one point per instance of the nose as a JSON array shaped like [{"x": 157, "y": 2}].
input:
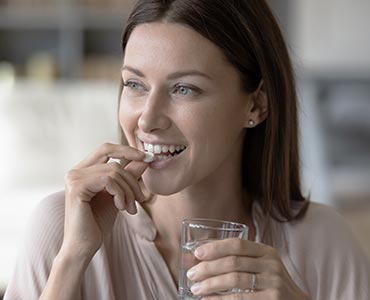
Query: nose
[{"x": 153, "y": 116}]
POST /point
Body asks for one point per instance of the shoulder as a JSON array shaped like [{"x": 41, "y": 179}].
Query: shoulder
[
  {"x": 50, "y": 209},
  {"x": 317, "y": 211},
  {"x": 42, "y": 240},
  {"x": 321, "y": 227},
  {"x": 52, "y": 205},
  {"x": 321, "y": 238},
  {"x": 46, "y": 224},
  {"x": 319, "y": 218},
  {"x": 325, "y": 252}
]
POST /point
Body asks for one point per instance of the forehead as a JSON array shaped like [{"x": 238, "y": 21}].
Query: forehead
[{"x": 172, "y": 46}]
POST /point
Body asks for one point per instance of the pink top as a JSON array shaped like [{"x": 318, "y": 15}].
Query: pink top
[{"x": 319, "y": 252}]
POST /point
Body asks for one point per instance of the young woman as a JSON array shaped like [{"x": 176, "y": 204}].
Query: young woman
[{"x": 208, "y": 87}]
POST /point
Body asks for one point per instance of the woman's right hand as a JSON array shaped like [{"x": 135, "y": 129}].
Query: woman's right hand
[{"x": 95, "y": 192}]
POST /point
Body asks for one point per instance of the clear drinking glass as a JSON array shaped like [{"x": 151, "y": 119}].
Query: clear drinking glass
[{"x": 196, "y": 232}]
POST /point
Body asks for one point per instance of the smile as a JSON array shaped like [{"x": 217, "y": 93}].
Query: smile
[{"x": 163, "y": 152}]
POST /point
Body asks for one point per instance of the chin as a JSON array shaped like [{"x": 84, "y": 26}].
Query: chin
[{"x": 160, "y": 187}]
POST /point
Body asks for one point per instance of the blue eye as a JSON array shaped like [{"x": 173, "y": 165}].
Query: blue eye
[
  {"x": 134, "y": 86},
  {"x": 185, "y": 90}
]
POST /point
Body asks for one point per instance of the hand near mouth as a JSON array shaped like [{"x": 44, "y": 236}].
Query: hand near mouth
[{"x": 96, "y": 191}]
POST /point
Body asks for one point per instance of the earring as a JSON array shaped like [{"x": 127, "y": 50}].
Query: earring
[{"x": 251, "y": 123}]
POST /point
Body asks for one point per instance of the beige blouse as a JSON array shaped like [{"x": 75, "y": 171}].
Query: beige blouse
[{"x": 319, "y": 252}]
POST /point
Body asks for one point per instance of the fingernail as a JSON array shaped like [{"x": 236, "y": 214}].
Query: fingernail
[
  {"x": 191, "y": 273},
  {"x": 140, "y": 154},
  {"x": 133, "y": 209},
  {"x": 195, "y": 288},
  {"x": 199, "y": 253}
]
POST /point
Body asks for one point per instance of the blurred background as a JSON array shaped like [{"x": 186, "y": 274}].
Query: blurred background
[{"x": 59, "y": 75}]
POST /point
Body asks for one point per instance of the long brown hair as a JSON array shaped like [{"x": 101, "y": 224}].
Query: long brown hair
[{"x": 250, "y": 38}]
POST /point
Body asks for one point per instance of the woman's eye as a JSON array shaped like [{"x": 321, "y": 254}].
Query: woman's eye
[
  {"x": 185, "y": 90},
  {"x": 134, "y": 86}
]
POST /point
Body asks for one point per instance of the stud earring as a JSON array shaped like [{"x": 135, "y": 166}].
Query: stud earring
[{"x": 251, "y": 123}]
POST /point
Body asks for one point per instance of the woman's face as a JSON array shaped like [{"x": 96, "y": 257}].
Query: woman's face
[{"x": 180, "y": 91}]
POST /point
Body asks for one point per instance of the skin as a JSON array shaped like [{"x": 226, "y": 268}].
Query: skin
[
  {"x": 210, "y": 118},
  {"x": 94, "y": 193},
  {"x": 153, "y": 108},
  {"x": 199, "y": 120},
  {"x": 209, "y": 115}
]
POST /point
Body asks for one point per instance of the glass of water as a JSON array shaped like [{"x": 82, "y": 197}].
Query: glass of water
[{"x": 196, "y": 232}]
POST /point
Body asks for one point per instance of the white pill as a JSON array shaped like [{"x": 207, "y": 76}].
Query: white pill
[{"x": 149, "y": 157}]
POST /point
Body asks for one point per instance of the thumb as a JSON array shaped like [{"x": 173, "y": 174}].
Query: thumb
[{"x": 136, "y": 168}]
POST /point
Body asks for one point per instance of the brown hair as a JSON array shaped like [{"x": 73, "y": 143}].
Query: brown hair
[{"x": 252, "y": 42}]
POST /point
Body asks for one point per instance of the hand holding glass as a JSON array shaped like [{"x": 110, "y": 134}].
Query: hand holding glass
[{"x": 196, "y": 232}]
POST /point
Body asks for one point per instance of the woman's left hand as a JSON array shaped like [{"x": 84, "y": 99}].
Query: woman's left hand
[{"x": 231, "y": 264}]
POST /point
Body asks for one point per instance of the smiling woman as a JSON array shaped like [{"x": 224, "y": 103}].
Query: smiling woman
[{"x": 207, "y": 88}]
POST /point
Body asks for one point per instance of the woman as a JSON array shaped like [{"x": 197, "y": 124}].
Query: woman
[{"x": 208, "y": 87}]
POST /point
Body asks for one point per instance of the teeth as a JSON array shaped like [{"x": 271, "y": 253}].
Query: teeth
[
  {"x": 164, "y": 149},
  {"x": 172, "y": 149},
  {"x": 158, "y": 149},
  {"x": 163, "y": 157}
]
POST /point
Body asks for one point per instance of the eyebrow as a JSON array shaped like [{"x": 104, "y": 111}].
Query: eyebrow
[{"x": 171, "y": 76}]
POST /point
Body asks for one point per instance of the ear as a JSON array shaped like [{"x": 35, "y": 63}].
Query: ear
[{"x": 257, "y": 112}]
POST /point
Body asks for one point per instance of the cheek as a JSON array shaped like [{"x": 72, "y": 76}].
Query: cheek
[
  {"x": 213, "y": 133},
  {"x": 127, "y": 120},
  {"x": 217, "y": 126},
  {"x": 216, "y": 135}
]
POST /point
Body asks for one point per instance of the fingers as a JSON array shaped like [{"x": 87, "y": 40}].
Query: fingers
[
  {"x": 242, "y": 296},
  {"x": 232, "y": 246},
  {"x": 94, "y": 175},
  {"x": 109, "y": 150},
  {"x": 237, "y": 265},
  {"x": 237, "y": 282},
  {"x": 228, "y": 264},
  {"x": 86, "y": 187},
  {"x": 120, "y": 192},
  {"x": 118, "y": 182},
  {"x": 136, "y": 168},
  {"x": 130, "y": 175}
]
